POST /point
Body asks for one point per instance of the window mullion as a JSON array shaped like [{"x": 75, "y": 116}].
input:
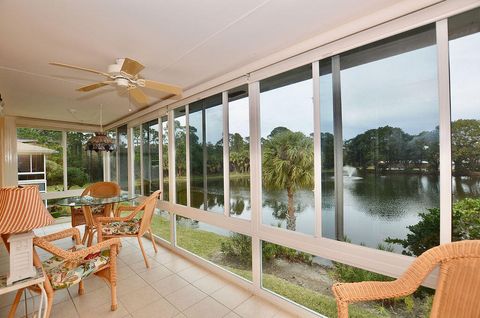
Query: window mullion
[
  {"x": 445, "y": 132},
  {"x": 338, "y": 147}
]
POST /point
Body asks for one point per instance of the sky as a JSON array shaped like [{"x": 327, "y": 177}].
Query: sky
[
  {"x": 465, "y": 77},
  {"x": 399, "y": 91}
]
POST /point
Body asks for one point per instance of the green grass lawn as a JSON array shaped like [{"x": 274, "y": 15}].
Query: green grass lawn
[{"x": 207, "y": 245}]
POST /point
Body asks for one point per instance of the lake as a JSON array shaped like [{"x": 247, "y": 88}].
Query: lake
[{"x": 375, "y": 206}]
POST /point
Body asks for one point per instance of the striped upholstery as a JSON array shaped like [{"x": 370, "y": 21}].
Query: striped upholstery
[{"x": 22, "y": 210}]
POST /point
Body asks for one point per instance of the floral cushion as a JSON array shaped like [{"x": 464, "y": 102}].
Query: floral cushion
[
  {"x": 97, "y": 209},
  {"x": 122, "y": 228},
  {"x": 63, "y": 274}
]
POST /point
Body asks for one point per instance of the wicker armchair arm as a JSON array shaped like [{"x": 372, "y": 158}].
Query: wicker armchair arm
[
  {"x": 126, "y": 208},
  {"x": 72, "y": 232},
  {"x": 365, "y": 291},
  {"x": 69, "y": 255}
]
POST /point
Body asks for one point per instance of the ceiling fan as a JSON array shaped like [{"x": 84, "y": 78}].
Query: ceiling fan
[{"x": 125, "y": 74}]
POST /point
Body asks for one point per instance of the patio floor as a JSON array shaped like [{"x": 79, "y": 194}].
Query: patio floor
[{"x": 172, "y": 287}]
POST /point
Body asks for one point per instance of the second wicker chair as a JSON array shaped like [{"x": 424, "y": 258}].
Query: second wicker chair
[{"x": 133, "y": 225}]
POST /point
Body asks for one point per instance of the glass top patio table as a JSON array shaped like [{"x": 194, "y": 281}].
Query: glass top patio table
[{"x": 80, "y": 201}]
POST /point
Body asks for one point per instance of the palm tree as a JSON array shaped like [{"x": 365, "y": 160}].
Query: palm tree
[{"x": 288, "y": 164}]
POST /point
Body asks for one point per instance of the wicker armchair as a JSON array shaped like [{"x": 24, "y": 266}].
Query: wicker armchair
[
  {"x": 131, "y": 225},
  {"x": 457, "y": 292},
  {"x": 97, "y": 190},
  {"x": 69, "y": 267}
]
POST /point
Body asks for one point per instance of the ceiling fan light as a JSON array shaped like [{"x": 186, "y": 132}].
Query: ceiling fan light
[
  {"x": 100, "y": 142},
  {"x": 122, "y": 82}
]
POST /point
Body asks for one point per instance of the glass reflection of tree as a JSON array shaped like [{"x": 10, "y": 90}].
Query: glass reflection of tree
[
  {"x": 280, "y": 209},
  {"x": 237, "y": 206}
]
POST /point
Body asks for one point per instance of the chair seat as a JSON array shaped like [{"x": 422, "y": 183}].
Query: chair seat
[
  {"x": 98, "y": 209},
  {"x": 130, "y": 227},
  {"x": 63, "y": 274}
]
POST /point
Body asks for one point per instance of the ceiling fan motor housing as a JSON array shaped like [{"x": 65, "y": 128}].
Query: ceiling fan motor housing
[{"x": 114, "y": 69}]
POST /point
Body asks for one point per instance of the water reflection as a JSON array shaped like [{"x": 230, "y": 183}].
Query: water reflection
[{"x": 376, "y": 207}]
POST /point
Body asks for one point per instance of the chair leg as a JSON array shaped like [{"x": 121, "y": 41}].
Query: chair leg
[
  {"x": 113, "y": 277},
  {"x": 85, "y": 235},
  {"x": 153, "y": 241},
  {"x": 16, "y": 301},
  {"x": 81, "y": 288},
  {"x": 90, "y": 238},
  {"x": 143, "y": 251},
  {"x": 49, "y": 302}
]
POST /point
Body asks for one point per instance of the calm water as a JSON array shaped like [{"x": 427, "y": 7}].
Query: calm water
[{"x": 375, "y": 207}]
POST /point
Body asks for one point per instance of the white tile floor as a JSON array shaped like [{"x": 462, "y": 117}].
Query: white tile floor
[{"x": 172, "y": 287}]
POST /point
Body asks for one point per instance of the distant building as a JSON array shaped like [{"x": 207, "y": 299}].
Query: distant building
[{"x": 32, "y": 168}]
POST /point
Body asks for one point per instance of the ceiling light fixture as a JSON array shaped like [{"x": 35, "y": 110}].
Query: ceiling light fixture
[{"x": 100, "y": 141}]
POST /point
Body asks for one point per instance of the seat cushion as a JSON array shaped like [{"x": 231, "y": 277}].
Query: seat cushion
[
  {"x": 62, "y": 273},
  {"x": 130, "y": 227},
  {"x": 97, "y": 209}
]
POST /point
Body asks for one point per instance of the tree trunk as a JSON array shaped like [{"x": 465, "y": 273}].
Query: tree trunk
[{"x": 291, "y": 218}]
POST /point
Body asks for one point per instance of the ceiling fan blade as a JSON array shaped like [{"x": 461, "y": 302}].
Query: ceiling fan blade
[
  {"x": 161, "y": 87},
  {"x": 131, "y": 67},
  {"x": 80, "y": 69},
  {"x": 139, "y": 96},
  {"x": 91, "y": 87}
]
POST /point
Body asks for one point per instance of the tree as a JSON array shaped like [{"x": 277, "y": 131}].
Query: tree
[
  {"x": 381, "y": 148},
  {"x": 75, "y": 176},
  {"x": 466, "y": 145},
  {"x": 328, "y": 154},
  {"x": 426, "y": 233},
  {"x": 288, "y": 164},
  {"x": 239, "y": 153}
]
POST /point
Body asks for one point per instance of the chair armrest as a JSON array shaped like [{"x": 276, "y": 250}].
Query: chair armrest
[
  {"x": 365, "y": 291},
  {"x": 69, "y": 255},
  {"x": 122, "y": 208},
  {"x": 72, "y": 232}
]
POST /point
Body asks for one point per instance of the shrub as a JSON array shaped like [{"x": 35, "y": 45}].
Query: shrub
[
  {"x": 240, "y": 247},
  {"x": 76, "y": 176},
  {"x": 426, "y": 233}
]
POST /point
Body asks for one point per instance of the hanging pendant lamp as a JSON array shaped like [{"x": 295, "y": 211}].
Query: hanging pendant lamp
[{"x": 100, "y": 141}]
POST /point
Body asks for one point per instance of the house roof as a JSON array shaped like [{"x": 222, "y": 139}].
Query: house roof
[{"x": 29, "y": 149}]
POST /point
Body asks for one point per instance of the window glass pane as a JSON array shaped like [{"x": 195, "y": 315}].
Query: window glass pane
[
  {"x": 166, "y": 193},
  {"x": 123, "y": 157},
  {"x": 214, "y": 145},
  {"x": 229, "y": 250},
  {"x": 150, "y": 157},
  {"x": 198, "y": 183},
  {"x": 180, "y": 155},
  {"x": 327, "y": 149},
  {"x": 137, "y": 140},
  {"x": 38, "y": 163},
  {"x": 24, "y": 163},
  {"x": 390, "y": 139},
  {"x": 206, "y": 153},
  {"x": 84, "y": 167},
  {"x": 44, "y": 149},
  {"x": 464, "y": 36},
  {"x": 161, "y": 224},
  {"x": 239, "y": 152},
  {"x": 286, "y": 112},
  {"x": 113, "y": 157},
  {"x": 307, "y": 280}
]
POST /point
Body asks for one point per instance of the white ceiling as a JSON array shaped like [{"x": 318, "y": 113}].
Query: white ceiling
[{"x": 180, "y": 42}]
